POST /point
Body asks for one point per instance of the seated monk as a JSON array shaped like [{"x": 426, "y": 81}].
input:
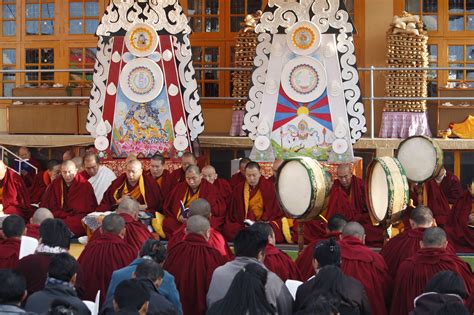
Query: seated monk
[
  {"x": 32, "y": 228},
  {"x": 407, "y": 243},
  {"x": 304, "y": 261},
  {"x": 192, "y": 262},
  {"x": 27, "y": 172},
  {"x": 68, "y": 155},
  {"x": 186, "y": 192},
  {"x": 276, "y": 260},
  {"x": 365, "y": 265},
  {"x": 347, "y": 197},
  {"x": 99, "y": 176},
  {"x": 13, "y": 228},
  {"x": 415, "y": 272},
  {"x": 159, "y": 173},
  {"x": 103, "y": 255},
  {"x": 239, "y": 177},
  {"x": 70, "y": 197},
  {"x": 223, "y": 186},
  {"x": 135, "y": 185},
  {"x": 460, "y": 224},
  {"x": 178, "y": 176},
  {"x": 255, "y": 200},
  {"x": 43, "y": 179},
  {"x": 136, "y": 233},
  {"x": 201, "y": 207},
  {"x": 13, "y": 193}
]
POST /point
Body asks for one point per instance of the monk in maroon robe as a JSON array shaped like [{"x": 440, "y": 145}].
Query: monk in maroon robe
[
  {"x": 347, "y": 197},
  {"x": 32, "y": 228},
  {"x": 304, "y": 262},
  {"x": 178, "y": 176},
  {"x": 103, "y": 255},
  {"x": 136, "y": 233},
  {"x": 13, "y": 228},
  {"x": 363, "y": 264},
  {"x": 159, "y": 174},
  {"x": 255, "y": 200},
  {"x": 222, "y": 186},
  {"x": 28, "y": 174},
  {"x": 184, "y": 194},
  {"x": 43, "y": 179},
  {"x": 276, "y": 260},
  {"x": 135, "y": 185},
  {"x": 192, "y": 262},
  {"x": 460, "y": 226},
  {"x": 216, "y": 240},
  {"x": 13, "y": 193},
  {"x": 70, "y": 198},
  {"x": 415, "y": 272},
  {"x": 239, "y": 177}
]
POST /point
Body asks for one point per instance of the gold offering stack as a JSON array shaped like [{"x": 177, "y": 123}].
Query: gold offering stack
[
  {"x": 407, "y": 45},
  {"x": 245, "y": 51}
]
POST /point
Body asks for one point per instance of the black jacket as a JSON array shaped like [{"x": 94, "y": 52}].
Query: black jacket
[{"x": 39, "y": 302}]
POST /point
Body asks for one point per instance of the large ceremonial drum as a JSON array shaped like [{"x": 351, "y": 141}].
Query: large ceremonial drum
[
  {"x": 420, "y": 157},
  {"x": 387, "y": 189},
  {"x": 303, "y": 187}
]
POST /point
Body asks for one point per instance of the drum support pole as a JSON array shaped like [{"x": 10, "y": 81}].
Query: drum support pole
[{"x": 300, "y": 236}]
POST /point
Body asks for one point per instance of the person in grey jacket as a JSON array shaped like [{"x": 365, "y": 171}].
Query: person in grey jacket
[
  {"x": 249, "y": 248},
  {"x": 60, "y": 282}
]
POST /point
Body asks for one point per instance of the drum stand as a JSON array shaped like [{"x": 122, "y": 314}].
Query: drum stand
[{"x": 300, "y": 236}]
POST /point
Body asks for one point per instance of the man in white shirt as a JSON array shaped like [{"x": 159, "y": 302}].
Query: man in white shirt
[{"x": 98, "y": 175}]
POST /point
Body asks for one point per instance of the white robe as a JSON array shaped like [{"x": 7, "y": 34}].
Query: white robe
[{"x": 101, "y": 181}]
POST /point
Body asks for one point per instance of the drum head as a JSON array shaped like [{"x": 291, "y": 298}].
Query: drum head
[
  {"x": 293, "y": 178},
  {"x": 418, "y": 157},
  {"x": 379, "y": 192}
]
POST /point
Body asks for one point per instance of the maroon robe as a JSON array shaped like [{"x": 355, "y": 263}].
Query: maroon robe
[
  {"x": 15, "y": 197},
  {"x": 236, "y": 215},
  {"x": 164, "y": 185},
  {"x": 313, "y": 230},
  {"x": 236, "y": 179},
  {"x": 100, "y": 259},
  {"x": 9, "y": 253},
  {"x": 39, "y": 186},
  {"x": 136, "y": 232},
  {"x": 175, "y": 177},
  {"x": 438, "y": 202},
  {"x": 32, "y": 230},
  {"x": 415, "y": 272},
  {"x": 192, "y": 262},
  {"x": 361, "y": 263},
  {"x": 30, "y": 176},
  {"x": 451, "y": 187},
  {"x": 280, "y": 263},
  {"x": 216, "y": 240},
  {"x": 225, "y": 191},
  {"x": 403, "y": 246},
  {"x": 304, "y": 261},
  {"x": 352, "y": 205},
  {"x": 459, "y": 233},
  {"x": 71, "y": 203},
  {"x": 153, "y": 195},
  {"x": 172, "y": 206}
]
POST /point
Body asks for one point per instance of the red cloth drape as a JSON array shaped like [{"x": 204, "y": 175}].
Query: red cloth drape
[
  {"x": 225, "y": 191},
  {"x": 9, "y": 251},
  {"x": 461, "y": 235},
  {"x": 32, "y": 230},
  {"x": 281, "y": 264},
  {"x": 15, "y": 198},
  {"x": 236, "y": 179},
  {"x": 39, "y": 186}
]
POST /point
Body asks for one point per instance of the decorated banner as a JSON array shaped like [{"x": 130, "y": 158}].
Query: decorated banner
[
  {"x": 305, "y": 84},
  {"x": 144, "y": 99}
]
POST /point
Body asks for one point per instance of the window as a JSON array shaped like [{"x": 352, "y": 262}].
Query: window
[
  {"x": 81, "y": 58},
  {"x": 203, "y": 15},
  {"x": 39, "y": 58},
  {"x": 83, "y": 16},
  {"x": 8, "y": 17},
  {"x": 461, "y": 56},
  {"x": 208, "y": 80},
  {"x": 239, "y": 9},
  {"x": 427, "y": 9},
  {"x": 461, "y": 15},
  {"x": 433, "y": 74},
  {"x": 8, "y": 62},
  {"x": 39, "y": 17}
]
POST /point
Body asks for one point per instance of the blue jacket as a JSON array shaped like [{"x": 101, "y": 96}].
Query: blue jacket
[{"x": 167, "y": 289}]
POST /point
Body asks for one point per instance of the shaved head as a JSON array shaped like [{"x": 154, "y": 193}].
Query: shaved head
[
  {"x": 337, "y": 222},
  {"x": 198, "y": 225},
  {"x": 434, "y": 237},
  {"x": 68, "y": 155},
  {"x": 200, "y": 207},
  {"x": 187, "y": 159},
  {"x": 421, "y": 217},
  {"x": 209, "y": 173},
  {"x": 68, "y": 171},
  {"x": 129, "y": 206},
  {"x": 24, "y": 153},
  {"x": 78, "y": 161},
  {"x": 193, "y": 169},
  {"x": 40, "y": 215},
  {"x": 134, "y": 171},
  {"x": 354, "y": 229},
  {"x": 113, "y": 223},
  {"x": 344, "y": 175}
]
